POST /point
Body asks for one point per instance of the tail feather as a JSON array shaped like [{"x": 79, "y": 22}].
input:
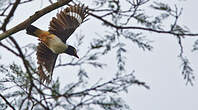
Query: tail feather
[{"x": 32, "y": 30}]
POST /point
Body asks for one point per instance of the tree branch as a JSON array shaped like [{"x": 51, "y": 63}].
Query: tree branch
[
  {"x": 8, "y": 103},
  {"x": 9, "y": 49},
  {"x": 141, "y": 28},
  {"x": 33, "y": 18},
  {"x": 7, "y": 19}
]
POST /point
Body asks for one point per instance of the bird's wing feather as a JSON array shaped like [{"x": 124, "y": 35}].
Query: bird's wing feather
[
  {"x": 62, "y": 26},
  {"x": 67, "y": 21},
  {"x": 46, "y": 61}
]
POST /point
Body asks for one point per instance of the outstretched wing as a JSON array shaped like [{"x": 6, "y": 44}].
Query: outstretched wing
[
  {"x": 67, "y": 21},
  {"x": 62, "y": 26},
  {"x": 46, "y": 62}
]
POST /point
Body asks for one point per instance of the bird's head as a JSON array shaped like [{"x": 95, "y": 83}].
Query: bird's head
[{"x": 71, "y": 51}]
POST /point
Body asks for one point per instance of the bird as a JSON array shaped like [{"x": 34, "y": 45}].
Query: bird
[{"x": 53, "y": 42}]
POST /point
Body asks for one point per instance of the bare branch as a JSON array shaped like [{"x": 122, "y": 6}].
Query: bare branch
[
  {"x": 9, "y": 49},
  {"x": 141, "y": 28},
  {"x": 7, "y": 19},
  {"x": 8, "y": 103},
  {"x": 33, "y": 18}
]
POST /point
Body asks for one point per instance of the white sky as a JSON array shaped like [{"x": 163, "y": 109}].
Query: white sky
[{"x": 159, "y": 68}]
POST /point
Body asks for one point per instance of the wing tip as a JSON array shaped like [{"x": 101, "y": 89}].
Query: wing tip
[
  {"x": 46, "y": 60},
  {"x": 44, "y": 77}
]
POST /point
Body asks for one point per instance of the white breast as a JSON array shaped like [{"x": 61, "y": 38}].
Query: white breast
[{"x": 56, "y": 45}]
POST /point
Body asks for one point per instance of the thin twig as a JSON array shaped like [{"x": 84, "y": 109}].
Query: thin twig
[
  {"x": 7, "y": 19},
  {"x": 9, "y": 49},
  {"x": 141, "y": 28},
  {"x": 8, "y": 103}
]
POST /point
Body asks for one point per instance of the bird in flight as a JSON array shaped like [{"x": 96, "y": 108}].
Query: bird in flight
[{"x": 53, "y": 41}]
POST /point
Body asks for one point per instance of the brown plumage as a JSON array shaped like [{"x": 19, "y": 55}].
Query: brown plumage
[
  {"x": 66, "y": 23},
  {"x": 62, "y": 26}
]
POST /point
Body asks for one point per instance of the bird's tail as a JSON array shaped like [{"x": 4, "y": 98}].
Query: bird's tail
[{"x": 32, "y": 30}]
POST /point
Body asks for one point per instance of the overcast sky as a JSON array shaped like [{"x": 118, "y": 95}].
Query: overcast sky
[{"x": 159, "y": 68}]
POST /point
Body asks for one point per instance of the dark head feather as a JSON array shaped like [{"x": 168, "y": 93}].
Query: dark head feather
[{"x": 71, "y": 51}]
